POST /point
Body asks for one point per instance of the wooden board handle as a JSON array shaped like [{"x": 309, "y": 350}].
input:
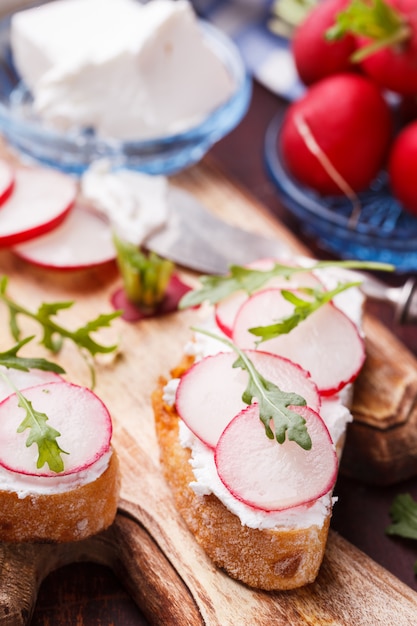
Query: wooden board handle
[
  {"x": 381, "y": 443},
  {"x": 150, "y": 578},
  {"x": 126, "y": 547},
  {"x": 18, "y": 584}
]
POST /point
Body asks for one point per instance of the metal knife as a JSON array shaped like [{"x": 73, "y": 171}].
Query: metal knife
[{"x": 194, "y": 238}]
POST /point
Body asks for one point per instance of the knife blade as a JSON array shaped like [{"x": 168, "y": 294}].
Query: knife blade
[{"x": 195, "y": 238}]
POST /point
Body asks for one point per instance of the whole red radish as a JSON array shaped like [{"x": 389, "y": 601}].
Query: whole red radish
[
  {"x": 386, "y": 32},
  {"x": 315, "y": 57},
  {"x": 337, "y": 135},
  {"x": 402, "y": 167}
]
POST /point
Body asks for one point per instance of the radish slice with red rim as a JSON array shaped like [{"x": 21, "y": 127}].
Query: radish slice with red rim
[
  {"x": 76, "y": 412},
  {"x": 209, "y": 394},
  {"x": 82, "y": 240},
  {"x": 21, "y": 380},
  {"x": 327, "y": 343},
  {"x": 227, "y": 309},
  {"x": 270, "y": 476},
  {"x": 6, "y": 180},
  {"x": 40, "y": 200}
]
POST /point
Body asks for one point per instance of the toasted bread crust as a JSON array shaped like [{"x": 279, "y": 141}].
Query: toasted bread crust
[
  {"x": 277, "y": 559},
  {"x": 59, "y": 517}
]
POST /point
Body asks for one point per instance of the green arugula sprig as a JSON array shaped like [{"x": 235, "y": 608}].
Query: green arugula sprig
[
  {"x": 273, "y": 402},
  {"x": 303, "y": 308},
  {"x": 42, "y": 434},
  {"x": 215, "y": 288},
  {"x": 12, "y": 360},
  {"x": 403, "y": 513},
  {"x": 53, "y": 333}
]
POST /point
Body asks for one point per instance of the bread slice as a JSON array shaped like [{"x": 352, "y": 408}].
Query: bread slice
[
  {"x": 63, "y": 516},
  {"x": 269, "y": 550},
  {"x": 278, "y": 559}
]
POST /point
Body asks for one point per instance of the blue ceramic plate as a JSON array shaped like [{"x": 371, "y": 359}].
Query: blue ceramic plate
[
  {"x": 73, "y": 152},
  {"x": 382, "y": 232}
]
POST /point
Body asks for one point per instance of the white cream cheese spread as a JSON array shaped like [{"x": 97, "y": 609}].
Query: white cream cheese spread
[
  {"x": 334, "y": 412},
  {"x": 135, "y": 204},
  {"x": 127, "y": 70},
  {"x": 28, "y": 485}
]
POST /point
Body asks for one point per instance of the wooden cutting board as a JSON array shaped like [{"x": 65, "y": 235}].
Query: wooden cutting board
[{"x": 149, "y": 546}]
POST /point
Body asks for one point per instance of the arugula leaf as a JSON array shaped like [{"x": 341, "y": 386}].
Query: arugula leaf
[
  {"x": 11, "y": 360},
  {"x": 216, "y": 288},
  {"x": 43, "y": 435},
  {"x": 403, "y": 513},
  {"x": 53, "y": 333},
  {"x": 302, "y": 309},
  {"x": 273, "y": 402}
]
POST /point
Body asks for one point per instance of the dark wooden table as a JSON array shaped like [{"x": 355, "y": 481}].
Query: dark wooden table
[{"x": 90, "y": 595}]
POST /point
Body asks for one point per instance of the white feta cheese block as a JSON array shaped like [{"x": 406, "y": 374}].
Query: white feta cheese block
[{"x": 129, "y": 71}]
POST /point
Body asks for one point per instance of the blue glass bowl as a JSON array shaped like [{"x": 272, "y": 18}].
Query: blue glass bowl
[
  {"x": 74, "y": 152},
  {"x": 383, "y": 231}
]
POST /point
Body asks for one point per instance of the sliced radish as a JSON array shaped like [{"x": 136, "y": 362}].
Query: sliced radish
[
  {"x": 22, "y": 380},
  {"x": 209, "y": 394},
  {"x": 83, "y": 239},
  {"x": 6, "y": 180},
  {"x": 327, "y": 344},
  {"x": 227, "y": 309},
  {"x": 275, "y": 476},
  {"x": 40, "y": 200},
  {"x": 76, "y": 412}
]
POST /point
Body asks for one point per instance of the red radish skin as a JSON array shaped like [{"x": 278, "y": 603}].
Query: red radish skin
[
  {"x": 209, "y": 394},
  {"x": 227, "y": 309},
  {"x": 395, "y": 67},
  {"x": 83, "y": 240},
  {"x": 402, "y": 168},
  {"x": 314, "y": 56},
  {"x": 76, "y": 412},
  {"x": 6, "y": 181},
  {"x": 40, "y": 201},
  {"x": 350, "y": 122},
  {"x": 273, "y": 476},
  {"x": 327, "y": 344}
]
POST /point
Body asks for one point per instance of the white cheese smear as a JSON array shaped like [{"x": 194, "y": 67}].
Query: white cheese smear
[
  {"x": 26, "y": 485},
  {"x": 128, "y": 70},
  {"x": 136, "y": 204}
]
